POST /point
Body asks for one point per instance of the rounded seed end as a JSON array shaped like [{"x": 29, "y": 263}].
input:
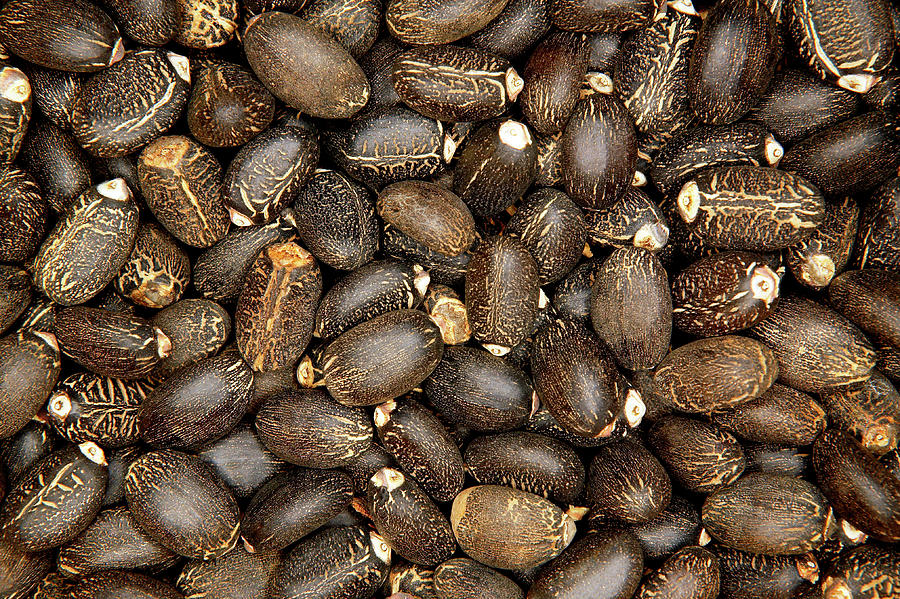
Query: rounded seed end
[
  {"x": 817, "y": 270},
  {"x": 652, "y": 236},
  {"x": 764, "y": 284},
  {"x": 380, "y": 547},
  {"x": 514, "y": 84},
  {"x": 93, "y": 452},
  {"x": 388, "y": 478},
  {"x": 859, "y": 83},
  {"x": 515, "y": 135},
  {"x": 689, "y": 202},
  {"x": 383, "y": 412},
  {"x": 774, "y": 151},
  {"x": 238, "y": 219},
  {"x": 14, "y": 85},
  {"x": 59, "y": 405},
  {"x": 181, "y": 64},
  {"x": 115, "y": 189}
]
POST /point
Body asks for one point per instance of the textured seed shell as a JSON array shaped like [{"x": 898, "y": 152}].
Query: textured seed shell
[
  {"x": 84, "y": 38},
  {"x": 700, "y": 456},
  {"x": 110, "y": 343},
  {"x": 30, "y": 366},
  {"x": 627, "y": 483},
  {"x": 15, "y": 294},
  {"x": 307, "y": 428},
  {"x": 178, "y": 500},
  {"x": 867, "y": 571},
  {"x": 631, "y": 307},
  {"x": 55, "y": 499},
  {"x": 750, "y": 208},
  {"x": 716, "y": 373},
  {"x": 778, "y": 459},
  {"x": 292, "y": 505},
  {"x": 586, "y": 15},
  {"x": 23, "y": 215},
  {"x": 241, "y": 460},
  {"x": 31, "y": 443},
  {"x": 441, "y": 268},
  {"x": 122, "y": 108},
  {"x": 677, "y": 526},
  {"x": 453, "y": 83},
  {"x": 157, "y": 272},
  {"x": 691, "y": 573},
  {"x": 432, "y": 215},
  {"x": 276, "y": 311},
  {"x": 781, "y": 415},
  {"x": 462, "y": 578},
  {"x": 598, "y": 152},
  {"x": 724, "y": 293},
  {"x": 871, "y": 411},
  {"x": 768, "y": 513},
  {"x": 861, "y": 489},
  {"x": 604, "y": 565},
  {"x": 501, "y": 291},
  {"x": 422, "y": 446},
  {"x": 88, "y": 246},
  {"x": 113, "y": 541},
  {"x": 367, "y": 464},
  {"x": 477, "y": 390},
  {"x": 268, "y": 172},
  {"x": 148, "y": 22},
  {"x": 553, "y": 77},
  {"x": 878, "y": 239},
  {"x": 382, "y": 358},
  {"x": 238, "y": 573},
  {"x": 749, "y": 576},
  {"x": 197, "y": 328},
  {"x": 817, "y": 349},
  {"x": 408, "y": 520},
  {"x": 870, "y": 299},
  {"x": 304, "y": 67},
  {"x": 198, "y": 403},
  {"x": 425, "y": 22},
  {"x": 21, "y": 570},
  {"x": 733, "y": 60},
  {"x": 518, "y": 27},
  {"x": 509, "y": 529},
  {"x": 355, "y": 24},
  {"x": 181, "y": 181},
  {"x": 123, "y": 584},
  {"x": 388, "y": 145},
  {"x": 378, "y": 287},
  {"x": 88, "y": 407},
  {"x": 228, "y": 107},
  {"x": 816, "y": 260}
]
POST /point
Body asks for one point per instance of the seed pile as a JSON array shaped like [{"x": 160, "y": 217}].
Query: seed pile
[{"x": 449, "y": 299}]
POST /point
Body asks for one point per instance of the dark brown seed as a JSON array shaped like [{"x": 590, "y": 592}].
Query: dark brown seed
[
  {"x": 509, "y": 529},
  {"x": 529, "y": 462},
  {"x": 198, "y": 403},
  {"x": 602, "y": 565},
  {"x": 179, "y": 501},
  {"x": 113, "y": 541},
  {"x": 373, "y": 289},
  {"x": 815, "y": 261},
  {"x": 54, "y": 93},
  {"x": 148, "y": 22},
  {"x": 56, "y": 498},
  {"x": 778, "y": 459},
  {"x": 205, "y": 23},
  {"x": 157, "y": 272},
  {"x": 228, "y": 107},
  {"x": 304, "y": 67},
  {"x": 462, "y": 578},
  {"x": 861, "y": 489},
  {"x": 343, "y": 563},
  {"x": 477, "y": 390},
  {"x": 17, "y": 453},
  {"x": 15, "y": 294},
  {"x": 276, "y": 311},
  {"x": 309, "y": 429},
  {"x": 716, "y": 373},
  {"x": 586, "y": 15},
  {"x": 817, "y": 349},
  {"x": 878, "y": 239},
  {"x": 197, "y": 328},
  {"x": 870, "y": 298},
  {"x": 181, "y": 181},
  {"x": 84, "y": 37},
  {"x": 724, "y": 293},
  {"x": 750, "y": 208},
  {"x": 88, "y": 407},
  {"x": 88, "y": 246},
  {"x": 850, "y": 157},
  {"x": 122, "y": 108},
  {"x": 752, "y": 576},
  {"x": 733, "y": 61},
  {"x": 502, "y": 293},
  {"x": 268, "y": 172},
  {"x": 799, "y": 104},
  {"x": 577, "y": 380},
  {"x": 572, "y": 299},
  {"x": 355, "y": 24},
  {"x": 430, "y": 214},
  {"x": 408, "y": 520},
  {"x": 388, "y": 145},
  {"x": 497, "y": 165},
  {"x": 453, "y": 83},
  {"x": 123, "y": 584},
  {"x": 700, "y": 456},
  {"x": 366, "y": 464},
  {"x": 424, "y": 22},
  {"x": 870, "y": 411},
  {"x": 626, "y": 483},
  {"x": 449, "y": 312},
  {"x": 241, "y": 461},
  {"x": 292, "y": 505},
  {"x": 631, "y": 308},
  {"x": 441, "y": 268},
  {"x": 422, "y": 446},
  {"x": 518, "y": 27},
  {"x": 378, "y": 65},
  {"x": 677, "y": 526},
  {"x": 110, "y": 343},
  {"x": 781, "y": 415},
  {"x": 692, "y": 573},
  {"x": 598, "y": 152},
  {"x": 867, "y": 571},
  {"x": 553, "y": 77},
  {"x": 20, "y": 571},
  {"x": 238, "y": 573},
  {"x": 553, "y": 230},
  {"x": 23, "y": 215},
  {"x": 15, "y": 109}
]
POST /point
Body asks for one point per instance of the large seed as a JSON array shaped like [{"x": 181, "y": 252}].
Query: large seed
[
  {"x": 429, "y": 22},
  {"x": 29, "y": 368},
  {"x": 626, "y": 483}
]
